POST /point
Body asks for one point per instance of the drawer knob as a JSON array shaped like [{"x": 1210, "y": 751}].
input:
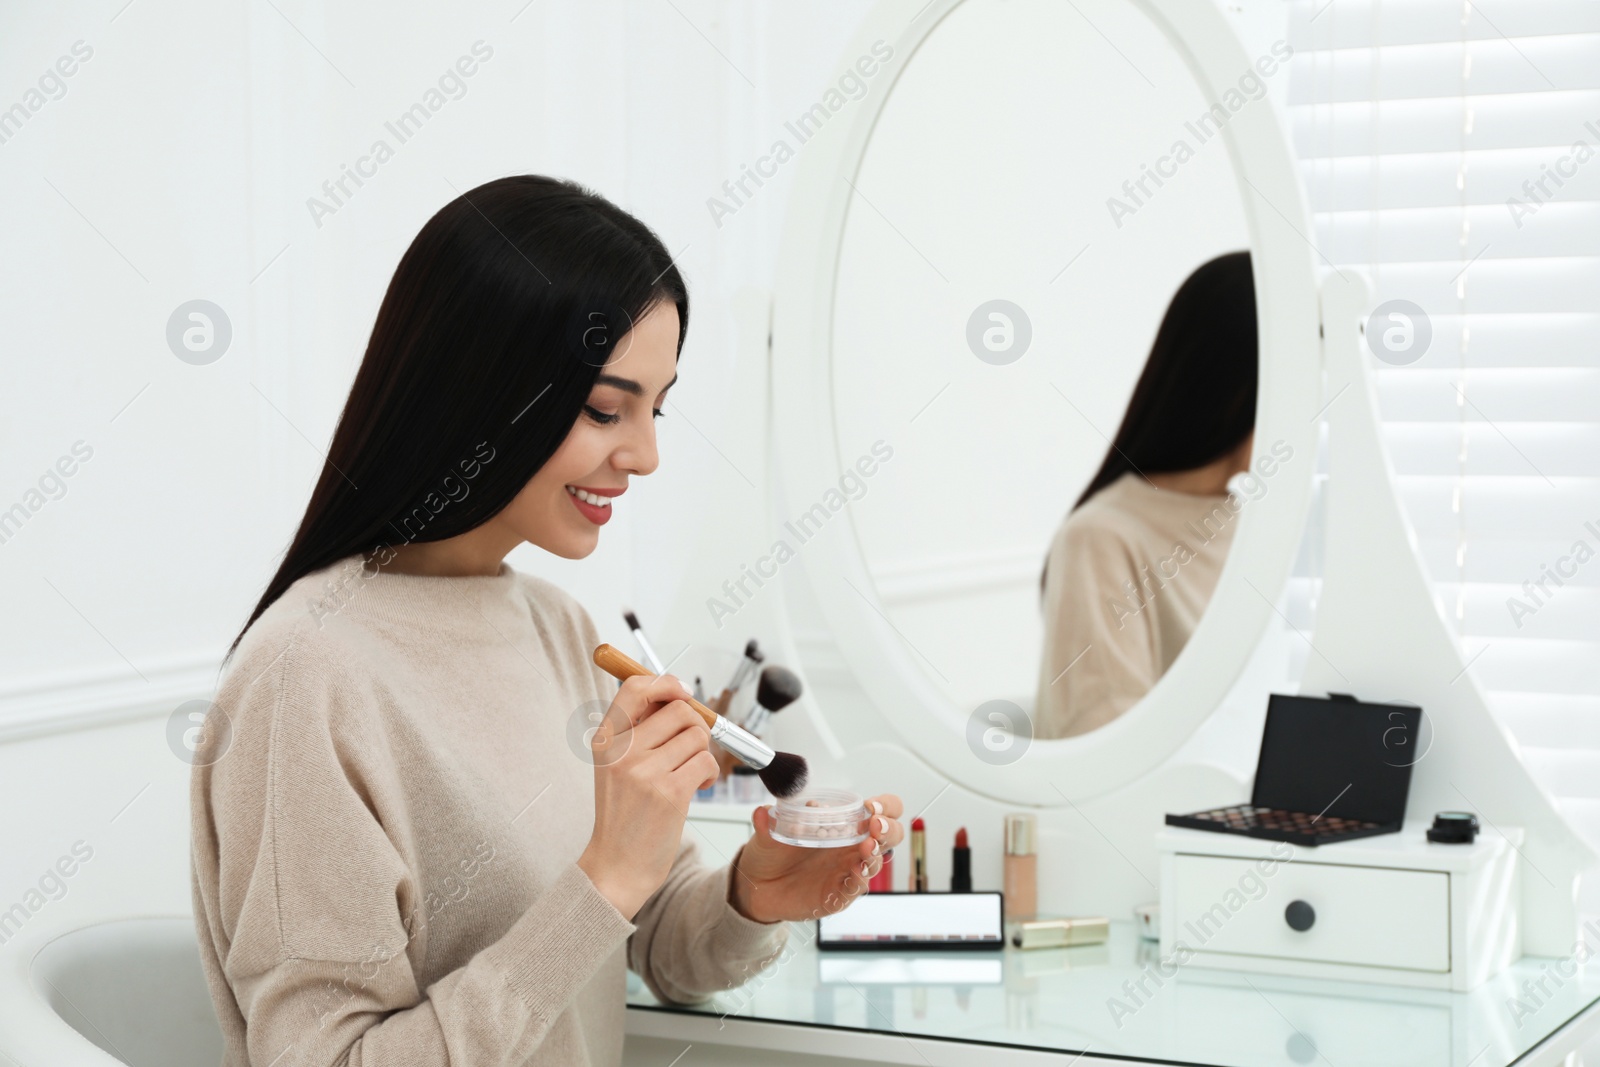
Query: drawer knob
[{"x": 1300, "y": 915}]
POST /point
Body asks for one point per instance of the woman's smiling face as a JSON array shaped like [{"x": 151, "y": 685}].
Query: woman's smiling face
[{"x": 563, "y": 507}]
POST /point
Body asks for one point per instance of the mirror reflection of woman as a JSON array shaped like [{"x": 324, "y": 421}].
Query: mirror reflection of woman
[
  {"x": 428, "y": 829},
  {"x": 1130, "y": 570}
]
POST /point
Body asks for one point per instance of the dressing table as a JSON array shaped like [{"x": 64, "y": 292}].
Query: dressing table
[
  {"x": 969, "y": 184},
  {"x": 1074, "y": 1005}
]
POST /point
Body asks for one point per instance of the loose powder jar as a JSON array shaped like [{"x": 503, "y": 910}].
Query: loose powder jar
[{"x": 821, "y": 818}]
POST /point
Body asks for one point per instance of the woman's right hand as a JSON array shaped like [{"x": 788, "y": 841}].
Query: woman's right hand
[{"x": 651, "y": 752}]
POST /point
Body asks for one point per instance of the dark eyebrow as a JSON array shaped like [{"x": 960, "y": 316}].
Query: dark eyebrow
[{"x": 628, "y": 385}]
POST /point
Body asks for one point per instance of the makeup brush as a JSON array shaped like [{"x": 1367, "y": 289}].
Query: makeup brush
[
  {"x": 723, "y": 705},
  {"x": 747, "y": 666},
  {"x": 778, "y": 688},
  {"x": 650, "y": 656},
  {"x": 783, "y": 773}
]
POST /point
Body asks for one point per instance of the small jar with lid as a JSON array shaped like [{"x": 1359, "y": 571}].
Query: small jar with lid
[{"x": 821, "y": 818}]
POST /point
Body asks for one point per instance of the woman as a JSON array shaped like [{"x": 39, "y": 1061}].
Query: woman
[
  {"x": 1130, "y": 570},
  {"x": 407, "y": 847}
]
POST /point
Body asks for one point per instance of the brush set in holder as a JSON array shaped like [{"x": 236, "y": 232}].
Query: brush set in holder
[{"x": 750, "y": 769}]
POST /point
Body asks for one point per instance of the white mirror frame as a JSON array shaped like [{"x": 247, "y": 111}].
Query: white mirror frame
[{"x": 810, "y": 456}]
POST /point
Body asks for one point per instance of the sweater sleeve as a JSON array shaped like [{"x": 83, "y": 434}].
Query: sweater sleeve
[
  {"x": 691, "y": 942},
  {"x": 316, "y": 909},
  {"x": 1100, "y": 646}
]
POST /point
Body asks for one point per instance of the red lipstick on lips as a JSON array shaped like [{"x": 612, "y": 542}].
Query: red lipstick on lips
[{"x": 593, "y": 512}]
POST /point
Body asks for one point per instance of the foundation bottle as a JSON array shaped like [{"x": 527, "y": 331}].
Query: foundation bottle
[{"x": 1021, "y": 868}]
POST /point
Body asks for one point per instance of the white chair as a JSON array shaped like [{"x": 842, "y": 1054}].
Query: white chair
[{"x": 126, "y": 991}]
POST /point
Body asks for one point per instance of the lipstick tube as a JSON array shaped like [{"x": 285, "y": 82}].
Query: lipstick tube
[
  {"x": 961, "y": 864},
  {"x": 919, "y": 856},
  {"x": 1061, "y": 933},
  {"x": 883, "y": 881}
]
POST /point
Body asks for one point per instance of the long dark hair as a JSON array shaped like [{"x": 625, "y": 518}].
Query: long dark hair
[
  {"x": 1195, "y": 401},
  {"x": 490, "y": 337}
]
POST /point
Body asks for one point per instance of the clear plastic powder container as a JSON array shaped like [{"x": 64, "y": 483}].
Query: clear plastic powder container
[{"x": 821, "y": 818}]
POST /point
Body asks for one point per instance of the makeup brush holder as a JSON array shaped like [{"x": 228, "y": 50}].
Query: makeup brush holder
[{"x": 821, "y": 818}]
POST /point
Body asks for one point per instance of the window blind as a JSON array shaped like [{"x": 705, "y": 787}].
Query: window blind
[{"x": 1451, "y": 148}]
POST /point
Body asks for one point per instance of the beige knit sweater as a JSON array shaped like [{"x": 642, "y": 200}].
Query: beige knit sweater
[
  {"x": 1129, "y": 576},
  {"x": 384, "y": 836}
]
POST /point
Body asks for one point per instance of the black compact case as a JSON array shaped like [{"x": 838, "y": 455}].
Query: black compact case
[
  {"x": 1330, "y": 769},
  {"x": 900, "y": 922}
]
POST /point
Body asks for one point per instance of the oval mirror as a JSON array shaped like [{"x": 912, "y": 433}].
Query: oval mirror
[
  {"x": 983, "y": 298},
  {"x": 999, "y": 233}
]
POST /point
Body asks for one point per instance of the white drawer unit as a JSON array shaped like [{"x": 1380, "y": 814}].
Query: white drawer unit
[
  {"x": 1395, "y": 909},
  {"x": 1315, "y": 911}
]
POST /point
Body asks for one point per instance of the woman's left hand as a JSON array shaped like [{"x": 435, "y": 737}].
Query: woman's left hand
[{"x": 773, "y": 881}]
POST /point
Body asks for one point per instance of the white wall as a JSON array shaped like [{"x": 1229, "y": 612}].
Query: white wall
[{"x": 178, "y": 165}]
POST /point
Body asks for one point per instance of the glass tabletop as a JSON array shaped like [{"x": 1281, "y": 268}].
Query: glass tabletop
[{"x": 1112, "y": 1000}]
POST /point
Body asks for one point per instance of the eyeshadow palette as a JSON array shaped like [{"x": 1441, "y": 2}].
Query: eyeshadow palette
[
  {"x": 1276, "y": 824},
  {"x": 1346, "y": 760}
]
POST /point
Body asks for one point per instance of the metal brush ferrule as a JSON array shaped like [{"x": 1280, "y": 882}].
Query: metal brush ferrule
[
  {"x": 743, "y": 673},
  {"x": 741, "y": 744}
]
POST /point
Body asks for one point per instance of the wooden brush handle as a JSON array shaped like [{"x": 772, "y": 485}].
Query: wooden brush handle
[
  {"x": 725, "y": 759},
  {"x": 621, "y": 666}
]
